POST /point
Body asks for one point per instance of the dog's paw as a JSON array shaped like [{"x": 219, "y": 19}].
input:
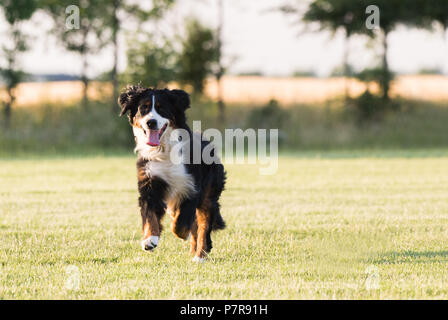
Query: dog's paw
[
  {"x": 150, "y": 243},
  {"x": 199, "y": 259}
]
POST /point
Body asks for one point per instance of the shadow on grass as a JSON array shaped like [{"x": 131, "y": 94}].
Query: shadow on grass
[{"x": 412, "y": 257}]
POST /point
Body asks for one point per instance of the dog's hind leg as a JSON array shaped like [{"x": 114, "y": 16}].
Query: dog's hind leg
[
  {"x": 204, "y": 243},
  {"x": 194, "y": 238},
  {"x": 184, "y": 219}
]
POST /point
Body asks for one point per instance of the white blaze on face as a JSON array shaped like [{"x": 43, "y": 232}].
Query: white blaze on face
[
  {"x": 150, "y": 137},
  {"x": 153, "y": 115}
]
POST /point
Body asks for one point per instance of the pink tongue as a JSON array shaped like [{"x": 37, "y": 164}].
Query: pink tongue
[{"x": 153, "y": 139}]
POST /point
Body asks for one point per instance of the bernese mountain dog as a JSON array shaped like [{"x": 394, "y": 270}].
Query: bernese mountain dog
[{"x": 189, "y": 190}]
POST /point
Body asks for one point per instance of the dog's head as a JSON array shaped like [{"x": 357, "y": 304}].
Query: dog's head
[{"x": 153, "y": 113}]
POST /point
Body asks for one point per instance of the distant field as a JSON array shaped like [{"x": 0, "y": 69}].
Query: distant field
[
  {"x": 65, "y": 92},
  {"x": 316, "y": 90},
  {"x": 250, "y": 90},
  {"x": 321, "y": 228}
]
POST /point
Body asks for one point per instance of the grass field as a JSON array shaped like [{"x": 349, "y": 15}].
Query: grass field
[{"x": 329, "y": 227}]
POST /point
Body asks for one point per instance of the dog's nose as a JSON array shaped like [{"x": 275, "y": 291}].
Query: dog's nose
[{"x": 152, "y": 124}]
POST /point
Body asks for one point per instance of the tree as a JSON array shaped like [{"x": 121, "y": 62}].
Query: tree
[
  {"x": 392, "y": 13},
  {"x": 220, "y": 68},
  {"x": 15, "y": 13},
  {"x": 151, "y": 63},
  {"x": 115, "y": 26},
  {"x": 333, "y": 15},
  {"x": 199, "y": 56},
  {"x": 117, "y": 9},
  {"x": 89, "y": 39},
  {"x": 351, "y": 16},
  {"x": 436, "y": 10}
]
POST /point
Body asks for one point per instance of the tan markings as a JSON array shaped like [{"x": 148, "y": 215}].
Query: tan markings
[
  {"x": 172, "y": 209},
  {"x": 137, "y": 125},
  {"x": 193, "y": 240},
  {"x": 174, "y": 212},
  {"x": 202, "y": 221},
  {"x": 182, "y": 234},
  {"x": 136, "y": 122},
  {"x": 151, "y": 227},
  {"x": 141, "y": 174},
  {"x": 146, "y": 231}
]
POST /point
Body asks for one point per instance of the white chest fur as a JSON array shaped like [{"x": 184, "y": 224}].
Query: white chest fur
[{"x": 180, "y": 182}]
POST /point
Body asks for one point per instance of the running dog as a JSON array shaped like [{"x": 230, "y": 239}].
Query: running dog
[{"x": 188, "y": 190}]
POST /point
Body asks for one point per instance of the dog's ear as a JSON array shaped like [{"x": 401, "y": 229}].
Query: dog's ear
[
  {"x": 128, "y": 100},
  {"x": 182, "y": 100}
]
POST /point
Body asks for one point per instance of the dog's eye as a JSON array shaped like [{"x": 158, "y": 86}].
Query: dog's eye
[{"x": 144, "y": 109}]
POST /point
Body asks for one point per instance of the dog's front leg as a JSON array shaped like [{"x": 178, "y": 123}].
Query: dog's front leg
[
  {"x": 152, "y": 228},
  {"x": 151, "y": 232}
]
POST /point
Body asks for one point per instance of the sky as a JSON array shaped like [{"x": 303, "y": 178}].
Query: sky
[{"x": 255, "y": 39}]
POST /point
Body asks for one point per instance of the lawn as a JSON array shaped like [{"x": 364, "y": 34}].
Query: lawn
[{"x": 320, "y": 228}]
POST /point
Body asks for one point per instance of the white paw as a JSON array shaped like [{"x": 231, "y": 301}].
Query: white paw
[
  {"x": 150, "y": 243},
  {"x": 199, "y": 260}
]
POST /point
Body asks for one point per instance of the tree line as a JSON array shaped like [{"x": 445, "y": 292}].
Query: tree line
[
  {"x": 154, "y": 58},
  {"x": 350, "y": 16}
]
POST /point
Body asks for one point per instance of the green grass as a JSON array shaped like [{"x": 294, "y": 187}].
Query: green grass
[{"x": 319, "y": 228}]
